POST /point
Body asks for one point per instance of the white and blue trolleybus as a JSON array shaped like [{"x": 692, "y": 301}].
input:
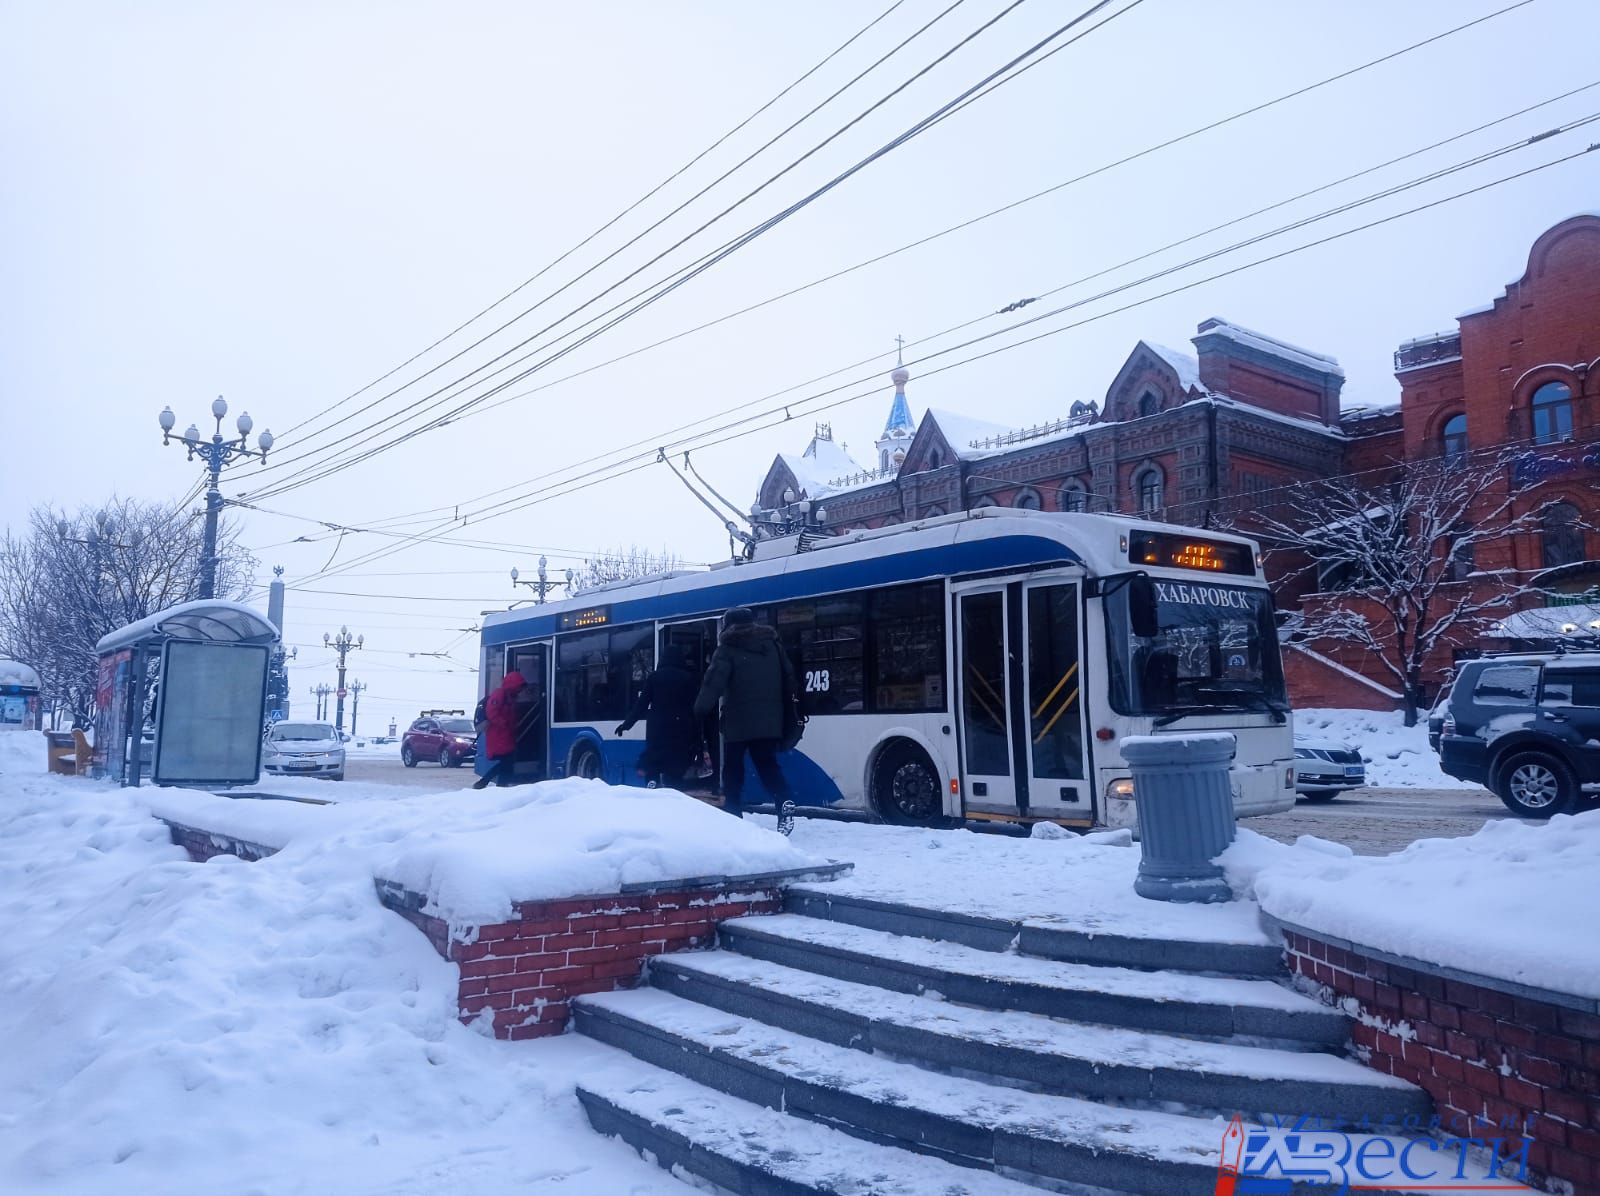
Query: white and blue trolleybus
[{"x": 982, "y": 665}]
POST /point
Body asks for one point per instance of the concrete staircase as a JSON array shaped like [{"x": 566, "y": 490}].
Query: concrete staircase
[{"x": 853, "y": 1047}]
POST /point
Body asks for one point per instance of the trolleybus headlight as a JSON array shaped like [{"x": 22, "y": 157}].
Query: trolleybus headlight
[{"x": 1121, "y": 787}]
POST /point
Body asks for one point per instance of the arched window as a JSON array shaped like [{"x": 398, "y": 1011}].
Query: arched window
[
  {"x": 1147, "y": 489},
  {"x": 1453, "y": 437},
  {"x": 1552, "y": 413},
  {"x": 933, "y": 512},
  {"x": 986, "y": 501},
  {"x": 1072, "y": 497},
  {"x": 1028, "y": 499},
  {"x": 935, "y": 458},
  {"x": 1149, "y": 403},
  {"x": 1562, "y": 536}
]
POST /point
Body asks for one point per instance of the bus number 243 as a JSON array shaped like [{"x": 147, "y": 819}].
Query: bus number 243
[{"x": 816, "y": 681}]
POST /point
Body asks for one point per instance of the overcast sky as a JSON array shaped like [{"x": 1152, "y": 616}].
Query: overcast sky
[{"x": 282, "y": 202}]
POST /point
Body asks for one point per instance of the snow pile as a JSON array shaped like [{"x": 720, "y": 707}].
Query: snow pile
[
  {"x": 1081, "y": 882},
  {"x": 472, "y": 853},
  {"x": 258, "y": 1028},
  {"x": 1397, "y": 756},
  {"x": 1493, "y": 903}
]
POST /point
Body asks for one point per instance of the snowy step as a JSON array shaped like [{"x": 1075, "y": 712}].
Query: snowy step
[
  {"x": 688, "y": 1128},
  {"x": 1041, "y": 1138},
  {"x": 1053, "y": 938},
  {"x": 1085, "y": 1060},
  {"x": 1172, "y": 1002}
]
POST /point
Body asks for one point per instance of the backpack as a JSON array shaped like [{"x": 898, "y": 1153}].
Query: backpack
[{"x": 480, "y": 717}]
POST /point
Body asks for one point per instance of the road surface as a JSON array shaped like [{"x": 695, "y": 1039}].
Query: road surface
[{"x": 1371, "y": 821}]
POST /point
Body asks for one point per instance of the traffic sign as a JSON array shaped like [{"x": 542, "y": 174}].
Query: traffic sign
[{"x": 344, "y": 693}]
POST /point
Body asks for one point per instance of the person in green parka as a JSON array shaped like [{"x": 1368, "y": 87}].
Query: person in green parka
[{"x": 751, "y": 677}]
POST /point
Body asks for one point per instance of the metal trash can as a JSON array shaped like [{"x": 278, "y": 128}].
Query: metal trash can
[{"x": 1185, "y": 803}]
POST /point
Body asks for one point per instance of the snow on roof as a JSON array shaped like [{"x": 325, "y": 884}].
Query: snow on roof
[
  {"x": 1550, "y": 623},
  {"x": 1298, "y": 421},
  {"x": 14, "y": 672},
  {"x": 221, "y": 622},
  {"x": 823, "y": 462},
  {"x": 1186, "y": 365},
  {"x": 1271, "y": 345},
  {"x": 962, "y": 431}
]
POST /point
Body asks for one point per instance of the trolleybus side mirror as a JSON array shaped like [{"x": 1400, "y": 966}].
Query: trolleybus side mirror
[{"x": 1142, "y": 607}]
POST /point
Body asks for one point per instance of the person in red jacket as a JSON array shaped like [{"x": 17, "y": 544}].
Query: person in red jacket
[{"x": 500, "y": 738}]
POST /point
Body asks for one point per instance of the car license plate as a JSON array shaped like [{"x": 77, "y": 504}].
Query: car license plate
[
  {"x": 1354, "y": 772},
  {"x": 305, "y": 764}
]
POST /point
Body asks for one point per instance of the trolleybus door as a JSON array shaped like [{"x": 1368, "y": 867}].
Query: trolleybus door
[
  {"x": 533, "y": 710},
  {"x": 699, "y": 638},
  {"x": 989, "y": 682},
  {"x": 1053, "y": 712}
]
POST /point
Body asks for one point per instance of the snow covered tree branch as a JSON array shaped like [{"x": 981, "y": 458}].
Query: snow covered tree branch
[
  {"x": 62, "y": 589},
  {"x": 1402, "y": 556}
]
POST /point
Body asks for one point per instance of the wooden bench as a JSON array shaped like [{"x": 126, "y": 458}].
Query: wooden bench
[{"x": 69, "y": 752}]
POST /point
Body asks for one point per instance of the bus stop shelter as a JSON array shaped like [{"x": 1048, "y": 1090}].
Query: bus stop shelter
[
  {"x": 195, "y": 677},
  {"x": 19, "y": 697}
]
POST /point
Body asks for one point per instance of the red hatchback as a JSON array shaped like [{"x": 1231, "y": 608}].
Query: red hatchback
[{"x": 450, "y": 740}]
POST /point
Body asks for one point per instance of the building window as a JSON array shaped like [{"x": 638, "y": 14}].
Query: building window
[
  {"x": 1028, "y": 500},
  {"x": 935, "y": 459},
  {"x": 1453, "y": 438},
  {"x": 1149, "y": 403},
  {"x": 933, "y": 512},
  {"x": 985, "y": 501},
  {"x": 1463, "y": 558},
  {"x": 1562, "y": 534},
  {"x": 1147, "y": 489},
  {"x": 1552, "y": 413},
  {"x": 1072, "y": 497}
]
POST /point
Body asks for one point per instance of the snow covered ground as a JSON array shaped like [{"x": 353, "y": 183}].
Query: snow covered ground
[
  {"x": 250, "y": 1028},
  {"x": 1397, "y": 756},
  {"x": 270, "y": 1029},
  {"x": 1498, "y": 903}
]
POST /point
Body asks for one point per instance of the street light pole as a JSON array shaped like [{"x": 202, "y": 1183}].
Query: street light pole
[
  {"x": 544, "y": 585},
  {"x": 344, "y": 644},
  {"x": 355, "y": 703},
  {"x": 321, "y": 693},
  {"x": 214, "y": 454}
]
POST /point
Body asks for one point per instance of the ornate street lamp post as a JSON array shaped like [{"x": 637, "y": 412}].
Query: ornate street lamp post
[
  {"x": 343, "y": 644},
  {"x": 215, "y": 454}
]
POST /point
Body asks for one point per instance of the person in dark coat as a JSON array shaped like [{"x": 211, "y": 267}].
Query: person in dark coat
[
  {"x": 671, "y": 730},
  {"x": 500, "y": 738},
  {"x": 751, "y": 677}
]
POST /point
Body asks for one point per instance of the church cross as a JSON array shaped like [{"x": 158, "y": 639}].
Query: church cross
[{"x": 899, "y": 347}]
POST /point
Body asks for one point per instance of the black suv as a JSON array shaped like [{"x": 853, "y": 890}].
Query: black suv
[{"x": 1528, "y": 727}]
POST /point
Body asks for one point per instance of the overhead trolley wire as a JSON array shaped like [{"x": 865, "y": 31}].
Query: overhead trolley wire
[
  {"x": 648, "y": 195},
  {"x": 739, "y": 429},
  {"x": 660, "y": 221},
  {"x": 1263, "y": 105},
  {"x": 661, "y": 289},
  {"x": 1477, "y": 159}
]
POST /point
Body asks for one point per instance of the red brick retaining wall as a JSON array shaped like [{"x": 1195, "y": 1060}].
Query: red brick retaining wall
[
  {"x": 523, "y": 972},
  {"x": 1485, "y": 1055}
]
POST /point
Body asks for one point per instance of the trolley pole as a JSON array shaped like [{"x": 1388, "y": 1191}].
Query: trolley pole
[{"x": 344, "y": 644}]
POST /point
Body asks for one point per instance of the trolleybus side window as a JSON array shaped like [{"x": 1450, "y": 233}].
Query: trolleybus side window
[
  {"x": 824, "y": 639},
  {"x": 599, "y": 673},
  {"x": 906, "y": 635}
]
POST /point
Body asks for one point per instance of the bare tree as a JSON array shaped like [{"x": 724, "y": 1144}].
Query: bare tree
[
  {"x": 625, "y": 564},
  {"x": 67, "y": 580},
  {"x": 1402, "y": 555}
]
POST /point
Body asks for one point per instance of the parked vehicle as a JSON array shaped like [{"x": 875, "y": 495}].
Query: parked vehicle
[
  {"x": 1325, "y": 768},
  {"x": 303, "y": 750},
  {"x": 450, "y": 740},
  {"x": 1528, "y": 727}
]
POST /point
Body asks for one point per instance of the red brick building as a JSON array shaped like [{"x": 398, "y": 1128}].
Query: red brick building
[{"x": 1192, "y": 437}]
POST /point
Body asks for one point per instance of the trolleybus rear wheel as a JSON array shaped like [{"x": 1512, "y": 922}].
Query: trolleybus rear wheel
[{"x": 905, "y": 787}]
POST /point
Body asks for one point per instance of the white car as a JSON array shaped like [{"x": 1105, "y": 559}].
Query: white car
[
  {"x": 294, "y": 749},
  {"x": 1325, "y": 768}
]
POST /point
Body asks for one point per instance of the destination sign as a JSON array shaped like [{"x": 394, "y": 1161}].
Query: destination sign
[
  {"x": 594, "y": 616},
  {"x": 1171, "y": 551}
]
